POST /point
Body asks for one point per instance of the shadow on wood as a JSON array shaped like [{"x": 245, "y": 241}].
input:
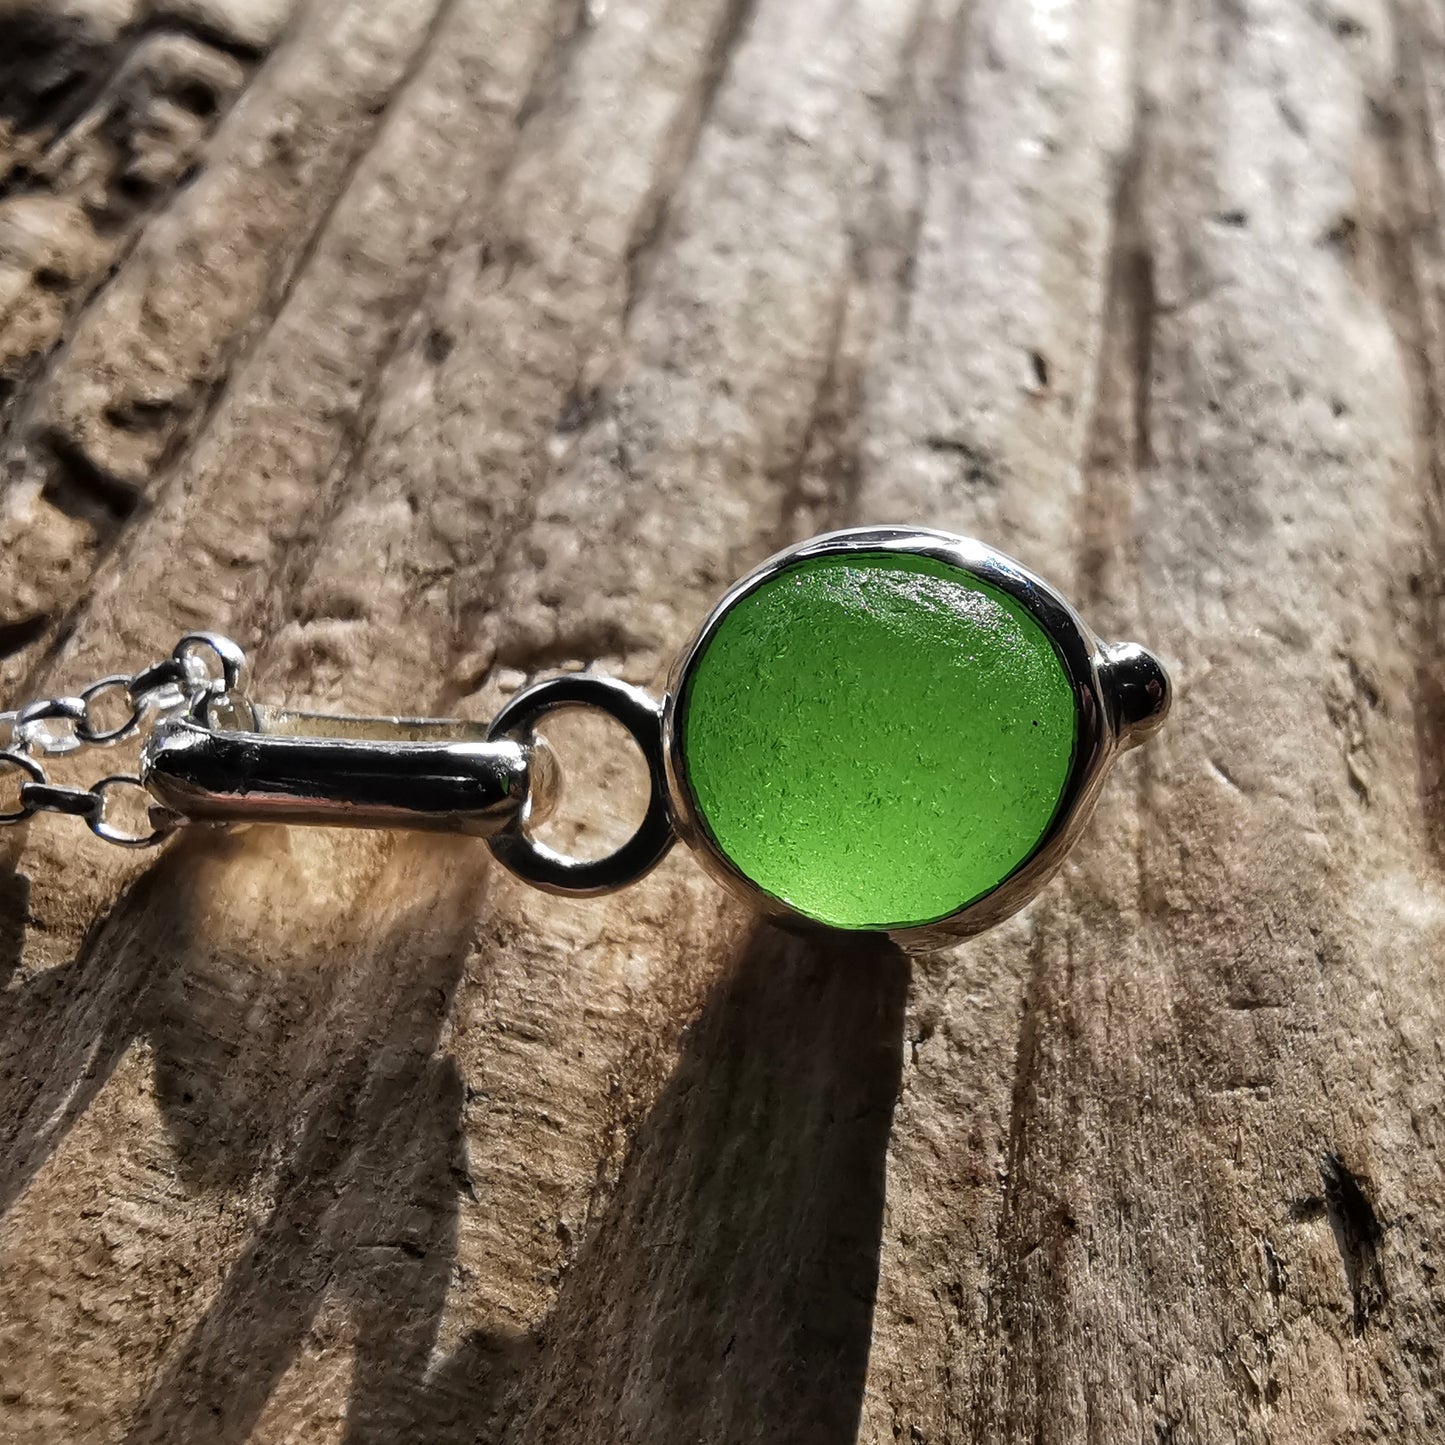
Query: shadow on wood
[
  {"x": 79, "y": 1020},
  {"x": 728, "y": 1290},
  {"x": 728, "y": 1294}
]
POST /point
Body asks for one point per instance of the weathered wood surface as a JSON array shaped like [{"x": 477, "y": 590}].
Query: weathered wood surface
[{"x": 429, "y": 344}]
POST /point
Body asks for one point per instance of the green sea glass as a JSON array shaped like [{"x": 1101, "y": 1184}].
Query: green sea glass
[{"x": 877, "y": 739}]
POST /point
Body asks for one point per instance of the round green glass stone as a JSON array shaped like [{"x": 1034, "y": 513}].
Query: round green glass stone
[{"x": 877, "y": 739}]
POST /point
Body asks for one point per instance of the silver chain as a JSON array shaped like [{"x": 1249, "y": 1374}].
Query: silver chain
[{"x": 203, "y": 666}]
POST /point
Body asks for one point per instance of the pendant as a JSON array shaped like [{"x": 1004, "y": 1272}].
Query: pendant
[{"x": 885, "y": 729}]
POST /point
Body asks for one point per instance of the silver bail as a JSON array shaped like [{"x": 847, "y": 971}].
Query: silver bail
[{"x": 278, "y": 766}]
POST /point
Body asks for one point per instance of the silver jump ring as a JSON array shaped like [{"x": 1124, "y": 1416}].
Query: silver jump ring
[
  {"x": 162, "y": 822},
  {"x": 88, "y": 731},
  {"x": 162, "y": 685},
  {"x": 228, "y": 655},
  {"x": 641, "y": 715}
]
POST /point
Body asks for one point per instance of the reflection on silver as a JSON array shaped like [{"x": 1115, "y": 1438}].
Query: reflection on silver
[
  {"x": 641, "y": 715},
  {"x": 244, "y": 763}
]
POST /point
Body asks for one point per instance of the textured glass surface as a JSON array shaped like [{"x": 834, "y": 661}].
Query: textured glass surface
[{"x": 877, "y": 739}]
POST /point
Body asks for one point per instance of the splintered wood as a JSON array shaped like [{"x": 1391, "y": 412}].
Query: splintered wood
[{"x": 426, "y": 346}]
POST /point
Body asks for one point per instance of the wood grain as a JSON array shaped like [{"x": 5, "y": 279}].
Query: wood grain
[{"x": 429, "y": 347}]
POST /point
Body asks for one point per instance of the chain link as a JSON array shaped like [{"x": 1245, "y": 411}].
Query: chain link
[{"x": 202, "y": 668}]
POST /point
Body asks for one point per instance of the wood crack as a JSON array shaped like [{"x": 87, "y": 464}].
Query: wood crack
[
  {"x": 1117, "y": 448},
  {"x": 1410, "y": 250},
  {"x": 1357, "y": 1233},
  {"x": 79, "y": 487},
  {"x": 81, "y": 200},
  {"x": 187, "y": 425},
  {"x": 652, "y": 215}
]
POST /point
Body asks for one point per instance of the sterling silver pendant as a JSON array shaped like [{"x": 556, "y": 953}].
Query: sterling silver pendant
[{"x": 884, "y": 729}]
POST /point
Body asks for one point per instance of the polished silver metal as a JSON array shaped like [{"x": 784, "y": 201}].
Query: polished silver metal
[
  {"x": 1121, "y": 695},
  {"x": 59, "y": 798},
  {"x": 90, "y": 729},
  {"x": 211, "y": 756},
  {"x": 31, "y": 730},
  {"x": 641, "y": 715},
  {"x": 228, "y": 657},
  {"x": 34, "y": 775},
  {"x": 282, "y": 766},
  {"x": 161, "y": 822},
  {"x": 201, "y": 667}
]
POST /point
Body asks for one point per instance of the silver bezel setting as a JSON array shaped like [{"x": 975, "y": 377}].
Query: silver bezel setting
[{"x": 1121, "y": 695}]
